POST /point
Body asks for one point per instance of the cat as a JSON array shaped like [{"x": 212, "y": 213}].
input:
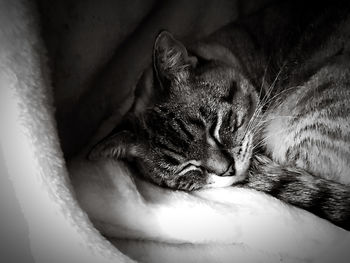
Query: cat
[{"x": 262, "y": 105}]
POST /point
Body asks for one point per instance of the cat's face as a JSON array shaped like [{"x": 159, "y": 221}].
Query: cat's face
[{"x": 196, "y": 132}]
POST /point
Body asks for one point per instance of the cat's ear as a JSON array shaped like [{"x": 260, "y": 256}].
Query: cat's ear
[
  {"x": 120, "y": 145},
  {"x": 170, "y": 59}
]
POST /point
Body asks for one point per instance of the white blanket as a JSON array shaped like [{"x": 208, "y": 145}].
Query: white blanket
[{"x": 216, "y": 225}]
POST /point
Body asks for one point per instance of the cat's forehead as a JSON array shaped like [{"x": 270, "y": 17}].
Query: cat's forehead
[
  {"x": 215, "y": 73},
  {"x": 209, "y": 90},
  {"x": 196, "y": 106}
]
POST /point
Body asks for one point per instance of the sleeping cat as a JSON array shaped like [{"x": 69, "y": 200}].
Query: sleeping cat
[{"x": 261, "y": 105}]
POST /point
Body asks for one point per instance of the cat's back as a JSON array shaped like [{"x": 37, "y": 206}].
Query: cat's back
[
  {"x": 308, "y": 125},
  {"x": 311, "y": 126}
]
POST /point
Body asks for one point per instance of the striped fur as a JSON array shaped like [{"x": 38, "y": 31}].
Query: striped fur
[
  {"x": 264, "y": 107},
  {"x": 325, "y": 198}
]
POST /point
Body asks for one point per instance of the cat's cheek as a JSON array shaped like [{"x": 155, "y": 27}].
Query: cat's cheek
[
  {"x": 242, "y": 164},
  {"x": 242, "y": 156}
]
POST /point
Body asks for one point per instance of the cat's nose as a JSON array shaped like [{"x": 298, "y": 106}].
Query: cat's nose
[{"x": 217, "y": 163}]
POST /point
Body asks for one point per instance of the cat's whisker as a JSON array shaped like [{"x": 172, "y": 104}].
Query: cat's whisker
[
  {"x": 264, "y": 75},
  {"x": 254, "y": 120},
  {"x": 256, "y": 126},
  {"x": 265, "y": 138},
  {"x": 274, "y": 98},
  {"x": 255, "y": 114},
  {"x": 273, "y": 84},
  {"x": 248, "y": 127},
  {"x": 260, "y": 124}
]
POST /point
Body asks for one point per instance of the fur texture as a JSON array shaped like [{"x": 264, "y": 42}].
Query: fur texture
[{"x": 208, "y": 115}]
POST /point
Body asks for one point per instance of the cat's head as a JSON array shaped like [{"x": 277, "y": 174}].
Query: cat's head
[{"x": 195, "y": 132}]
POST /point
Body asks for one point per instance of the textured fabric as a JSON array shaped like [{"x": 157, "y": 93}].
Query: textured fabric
[{"x": 58, "y": 230}]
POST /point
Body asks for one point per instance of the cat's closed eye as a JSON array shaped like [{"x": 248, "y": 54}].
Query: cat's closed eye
[{"x": 190, "y": 166}]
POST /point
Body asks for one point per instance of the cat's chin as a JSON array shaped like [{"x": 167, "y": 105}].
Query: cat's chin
[{"x": 215, "y": 181}]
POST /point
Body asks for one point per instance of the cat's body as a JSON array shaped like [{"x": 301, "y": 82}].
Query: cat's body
[{"x": 276, "y": 93}]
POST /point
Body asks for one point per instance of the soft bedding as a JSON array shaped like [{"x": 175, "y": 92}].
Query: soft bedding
[{"x": 216, "y": 225}]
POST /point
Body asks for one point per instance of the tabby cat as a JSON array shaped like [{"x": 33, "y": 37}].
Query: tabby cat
[{"x": 261, "y": 104}]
